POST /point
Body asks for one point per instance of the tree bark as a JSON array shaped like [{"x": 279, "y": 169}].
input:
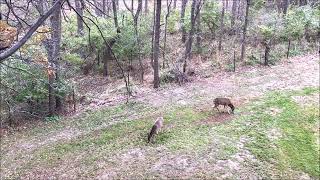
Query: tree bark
[
  {"x": 115, "y": 16},
  {"x": 32, "y": 29},
  {"x": 233, "y": 14},
  {"x": 194, "y": 7},
  {"x": 146, "y": 6},
  {"x": 266, "y": 54},
  {"x": 39, "y": 7},
  {"x": 174, "y": 4},
  {"x": 97, "y": 8},
  {"x": 79, "y": 9},
  {"x": 156, "y": 80},
  {"x": 303, "y": 2},
  {"x": 104, "y": 3},
  {"x": 53, "y": 59},
  {"x": 285, "y": 6},
  {"x": 136, "y": 18},
  {"x": 183, "y": 11},
  {"x": 244, "y": 34},
  {"x": 198, "y": 37},
  {"x": 221, "y": 26},
  {"x": 288, "y": 50},
  {"x": 153, "y": 27},
  {"x": 165, "y": 33}
]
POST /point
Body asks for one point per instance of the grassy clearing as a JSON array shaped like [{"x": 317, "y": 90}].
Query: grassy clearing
[{"x": 281, "y": 134}]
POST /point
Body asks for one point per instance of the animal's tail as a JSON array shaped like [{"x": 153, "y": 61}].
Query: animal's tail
[
  {"x": 152, "y": 132},
  {"x": 231, "y": 106}
]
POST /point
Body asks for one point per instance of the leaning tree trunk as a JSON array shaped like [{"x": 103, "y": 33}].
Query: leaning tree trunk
[
  {"x": 183, "y": 28},
  {"x": 156, "y": 80},
  {"x": 244, "y": 35},
  {"x": 79, "y": 9},
  {"x": 54, "y": 56}
]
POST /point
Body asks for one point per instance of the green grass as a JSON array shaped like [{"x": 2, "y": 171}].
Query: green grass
[{"x": 294, "y": 146}]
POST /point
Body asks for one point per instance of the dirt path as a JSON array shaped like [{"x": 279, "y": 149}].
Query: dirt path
[{"x": 247, "y": 83}]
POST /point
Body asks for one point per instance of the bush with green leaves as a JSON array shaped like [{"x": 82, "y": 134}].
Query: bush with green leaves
[
  {"x": 210, "y": 15},
  {"x": 301, "y": 21},
  {"x": 93, "y": 40},
  {"x": 24, "y": 86},
  {"x": 173, "y": 20}
]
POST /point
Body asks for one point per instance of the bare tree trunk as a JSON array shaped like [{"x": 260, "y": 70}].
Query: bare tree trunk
[
  {"x": 79, "y": 9},
  {"x": 136, "y": 18},
  {"x": 97, "y": 8},
  {"x": 234, "y": 11},
  {"x": 285, "y": 6},
  {"x": 153, "y": 27},
  {"x": 234, "y": 60},
  {"x": 115, "y": 17},
  {"x": 194, "y": 7},
  {"x": 198, "y": 29},
  {"x": 303, "y": 2},
  {"x": 104, "y": 4},
  {"x": 165, "y": 33},
  {"x": 146, "y": 6},
  {"x": 266, "y": 54},
  {"x": 244, "y": 35},
  {"x": 288, "y": 50},
  {"x": 54, "y": 56},
  {"x": 183, "y": 11},
  {"x": 39, "y": 7},
  {"x": 174, "y": 4},
  {"x": 221, "y": 26},
  {"x": 156, "y": 80}
]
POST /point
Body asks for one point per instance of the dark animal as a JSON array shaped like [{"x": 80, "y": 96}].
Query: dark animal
[
  {"x": 155, "y": 128},
  {"x": 223, "y": 101}
]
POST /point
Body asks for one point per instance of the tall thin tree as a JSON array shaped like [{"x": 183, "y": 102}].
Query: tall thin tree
[
  {"x": 195, "y": 9},
  {"x": 233, "y": 13},
  {"x": 221, "y": 25},
  {"x": 156, "y": 79},
  {"x": 182, "y": 20},
  {"x": 53, "y": 49},
  {"x": 79, "y": 9},
  {"x": 244, "y": 32}
]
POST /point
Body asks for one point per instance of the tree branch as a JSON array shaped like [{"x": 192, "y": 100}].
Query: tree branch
[{"x": 27, "y": 36}]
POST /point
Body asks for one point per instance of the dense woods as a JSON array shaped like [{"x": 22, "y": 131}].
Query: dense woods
[{"x": 46, "y": 45}]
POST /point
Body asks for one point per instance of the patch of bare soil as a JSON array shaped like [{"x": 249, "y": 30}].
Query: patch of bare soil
[{"x": 217, "y": 118}]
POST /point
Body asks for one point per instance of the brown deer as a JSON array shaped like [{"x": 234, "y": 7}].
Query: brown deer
[
  {"x": 155, "y": 128},
  {"x": 223, "y": 101}
]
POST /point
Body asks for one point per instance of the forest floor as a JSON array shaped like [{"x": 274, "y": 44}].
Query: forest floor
[{"x": 274, "y": 132}]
